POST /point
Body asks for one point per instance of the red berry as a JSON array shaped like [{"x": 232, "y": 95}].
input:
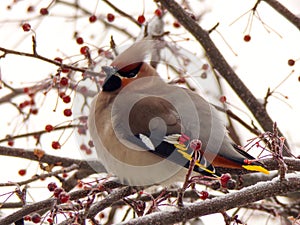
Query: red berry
[
  {"x": 68, "y": 112},
  {"x": 83, "y": 147},
  {"x": 91, "y": 143},
  {"x": 26, "y": 89},
  {"x": 10, "y": 143},
  {"x": 49, "y": 128},
  {"x": 66, "y": 99},
  {"x": 65, "y": 70},
  {"x": 64, "y": 81},
  {"x": 291, "y": 62},
  {"x": 101, "y": 215},
  {"x": 26, "y": 103},
  {"x": 92, "y": 18},
  {"x": 176, "y": 24},
  {"x": 34, "y": 111},
  {"x": 88, "y": 151},
  {"x": 58, "y": 59},
  {"x": 80, "y": 184},
  {"x": 21, "y": 105},
  {"x": 247, "y": 38},
  {"x": 30, "y": 8},
  {"x": 223, "y": 99},
  {"x": 110, "y": 17},
  {"x": 84, "y": 50},
  {"x": 22, "y": 172},
  {"x": 224, "y": 179},
  {"x": 79, "y": 40},
  {"x": 44, "y": 11},
  {"x": 27, "y": 218},
  {"x": 57, "y": 191},
  {"x": 205, "y": 66},
  {"x": 36, "y": 218},
  {"x": 50, "y": 220},
  {"x": 64, "y": 197},
  {"x": 158, "y": 12},
  {"x": 56, "y": 145},
  {"x": 52, "y": 186},
  {"x": 141, "y": 19},
  {"x": 26, "y": 27},
  {"x": 196, "y": 145},
  {"x": 81, "y": 130},
  {"x": 204, "y": 195},
  {"x": 203, "y": 75}
]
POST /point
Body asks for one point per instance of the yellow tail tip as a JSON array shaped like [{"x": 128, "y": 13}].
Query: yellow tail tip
[{"x": 256, "y": 168}]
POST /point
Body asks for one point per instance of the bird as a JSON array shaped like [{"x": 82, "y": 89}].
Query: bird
[{"x": 143, "y": 128}]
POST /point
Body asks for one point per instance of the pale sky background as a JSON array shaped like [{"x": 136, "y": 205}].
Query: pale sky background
[{"x": 260, "y": 63}]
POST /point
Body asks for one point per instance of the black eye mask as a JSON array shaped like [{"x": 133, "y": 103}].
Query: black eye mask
[
  {"x": 113, "y": 82},
  {"x": 131, "y": 70}
]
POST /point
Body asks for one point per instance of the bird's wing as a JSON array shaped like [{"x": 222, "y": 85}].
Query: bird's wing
[
  {"x": 157, "y": 124},
  {"x": 220, "y": 150}
]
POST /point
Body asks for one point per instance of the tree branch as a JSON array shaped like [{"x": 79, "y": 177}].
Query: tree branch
[
  {"x": 26, "y": 210},
  {"x": 106, "y": 202},
  {"x": 37, "y": 177},
  {"x": 253, "y": 193},
  {"x": 49, "y": 203},
  {"x": 50, "y": 159},
  {"x": 40, "y": 132}
]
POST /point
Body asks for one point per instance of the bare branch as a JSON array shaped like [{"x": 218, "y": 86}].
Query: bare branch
[
  {"x": 50, "y": 159},
  {"x": 232, "y": 200},
  {"x": 45, "y": 59},
  {"x": 37, "y": 177}
]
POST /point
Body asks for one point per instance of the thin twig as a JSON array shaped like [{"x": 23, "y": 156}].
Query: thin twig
[{"x": 41, "y": 176}]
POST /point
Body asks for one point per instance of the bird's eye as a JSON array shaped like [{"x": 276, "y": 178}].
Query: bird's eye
[{"x": 131, "y": 70}]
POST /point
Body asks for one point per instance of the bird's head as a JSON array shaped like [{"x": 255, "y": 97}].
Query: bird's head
[
  {"x": 117, "y": 78},
  {"x": 127, "y": 66}
]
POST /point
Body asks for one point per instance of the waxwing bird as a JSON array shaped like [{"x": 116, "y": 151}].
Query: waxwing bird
[{"x": 143, "y": 128}]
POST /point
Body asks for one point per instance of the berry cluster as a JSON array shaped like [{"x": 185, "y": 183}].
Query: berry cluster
[{"x": 58, "y": 192}]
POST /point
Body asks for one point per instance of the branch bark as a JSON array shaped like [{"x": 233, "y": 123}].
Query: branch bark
[
  {"x": 240, "y": 198},
  {"x": 26, "y": 210}
]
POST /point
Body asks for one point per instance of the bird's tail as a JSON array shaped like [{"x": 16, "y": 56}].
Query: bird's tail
[{"x": 250, "y": 163}]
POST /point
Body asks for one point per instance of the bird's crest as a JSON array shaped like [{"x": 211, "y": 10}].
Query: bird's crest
[{"x": 135, "y": 54}]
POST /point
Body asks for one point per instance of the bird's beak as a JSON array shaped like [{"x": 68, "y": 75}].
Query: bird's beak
[{"x": 109, "y": 72}]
